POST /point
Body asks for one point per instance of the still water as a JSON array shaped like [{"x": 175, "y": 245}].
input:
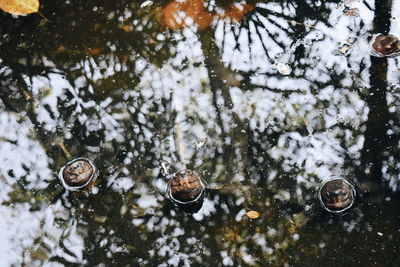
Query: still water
[{"x": 264, "y": 99}]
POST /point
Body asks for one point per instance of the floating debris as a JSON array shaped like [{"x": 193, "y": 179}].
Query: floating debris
[
  {"x": 77, "y": 174},
  {"x": 165, "y": 168},
  {"x": 336, "y": 195},
  {"x": 252, "y": 214},
  {"x": 343, "y": 50},
  {"x": 385, "y": 45},
  {"x": 199, "y": 143},
  {"x": 186, "y": 189},
  {"x": 146, "y": 4},
  {"x": 351, "y": 12},
  {"x": 283, "y": 68}
]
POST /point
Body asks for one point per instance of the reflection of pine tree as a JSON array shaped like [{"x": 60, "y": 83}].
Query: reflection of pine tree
[{"x": 278, "y": 27}]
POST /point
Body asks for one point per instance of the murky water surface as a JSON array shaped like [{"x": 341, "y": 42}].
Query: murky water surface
[{"x": 264, "y": 99}]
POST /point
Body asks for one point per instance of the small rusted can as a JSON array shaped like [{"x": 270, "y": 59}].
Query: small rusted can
[
  {"x": 77, "y": 174},
  {"x": 336, "y": 195},
  {"x": 186, "y": 189},
  {"x": 385, "y": 45}
]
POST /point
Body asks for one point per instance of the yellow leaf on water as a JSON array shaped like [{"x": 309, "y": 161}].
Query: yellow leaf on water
[
  {"x": 19, "y": 7},
  {"x": 253, "y": 214}
]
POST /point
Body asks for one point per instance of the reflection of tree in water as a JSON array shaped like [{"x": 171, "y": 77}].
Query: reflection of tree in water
[
  {"x": 293, "y": 109},
  {"x": 122, "y": 88}
]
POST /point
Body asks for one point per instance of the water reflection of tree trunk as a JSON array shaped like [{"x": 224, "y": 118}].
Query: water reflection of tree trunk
[
  {"x": 376, "y": 139},
  {"x": 219, "y": 75},
  {"x": 216, "y": 72}
]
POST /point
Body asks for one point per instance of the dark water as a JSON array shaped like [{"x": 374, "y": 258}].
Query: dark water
[{"x": 264, "y": 107}]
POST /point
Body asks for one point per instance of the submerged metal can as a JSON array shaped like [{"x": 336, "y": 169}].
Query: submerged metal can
[
  {"x": 187, "y": 189},
  {"x": 336, "y": 195},
  {"x": 77, "y": 174},
  {"x": 385, "y": 45}
]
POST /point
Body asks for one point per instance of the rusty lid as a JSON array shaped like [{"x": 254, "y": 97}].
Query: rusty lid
[
  {"x": 186, "y": 187},
  {"x": 336, "y": 195},
  {"x": 385, "y": 45},
  {"x": 77, "y": 173}
]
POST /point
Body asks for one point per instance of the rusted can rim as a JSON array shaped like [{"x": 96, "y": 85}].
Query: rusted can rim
[
  {"x": 353, "y": 190},
  {"x": 376, "y": 54},
  {"x": 199, "y": 197},
  {"x": 75, "y": 188}
]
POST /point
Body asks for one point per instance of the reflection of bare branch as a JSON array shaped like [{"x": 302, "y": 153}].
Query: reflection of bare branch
[
  {"x": 179, "y": 144},
  {"x": 256, "y": 23},
  {"x": 65, "y": 150}
]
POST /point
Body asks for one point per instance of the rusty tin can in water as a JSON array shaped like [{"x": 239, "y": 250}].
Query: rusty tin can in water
[
  {"x": 385, "y": 45},
  {"x": 77, "y": 174},
  {"x": 336, "y": 195},
  {"x": 187, "y": 189}
]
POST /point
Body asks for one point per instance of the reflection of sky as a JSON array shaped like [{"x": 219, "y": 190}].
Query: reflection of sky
[
  {"x": 25, "y": 233},
  {"x": 314, "y": 102},
  {"x": 273, "y": 111},
  {"x": 21, "y": 154}
]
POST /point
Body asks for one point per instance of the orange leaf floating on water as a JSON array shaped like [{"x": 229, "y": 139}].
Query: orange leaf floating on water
[
  {"x": 176, "y": 15},
  {"x": 252, "y": 214},
  {"x": 94, "y": 51},
  {"x": 236, "y": 12},
  {"x": 19, "y": 7},
  {"x": 170, "y": 17}
]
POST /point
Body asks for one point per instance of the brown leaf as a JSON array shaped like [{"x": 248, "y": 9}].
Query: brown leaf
[
  {"x": 94, "y": 51},
  {"x": 252, "y": 214},
  {"x": 175, "y": 14},
  {"x": 19, "y": 7},
  {"x": 236, "y": 12}
]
